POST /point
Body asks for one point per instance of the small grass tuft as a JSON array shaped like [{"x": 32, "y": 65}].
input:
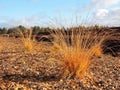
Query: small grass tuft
[
  {"x": 27, "y": 40},
  {"x": 1, "y": 47},
  {"x": 99, "y": 52}
]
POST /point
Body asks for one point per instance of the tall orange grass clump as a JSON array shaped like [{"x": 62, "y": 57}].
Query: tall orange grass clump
[{"x": 77, "y": 47}]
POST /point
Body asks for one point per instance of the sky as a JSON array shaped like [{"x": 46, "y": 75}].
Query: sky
[{"x": 59, "y": 12}]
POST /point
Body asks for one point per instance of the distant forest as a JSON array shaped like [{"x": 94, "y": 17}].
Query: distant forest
[{"x": 36, "y": 29}]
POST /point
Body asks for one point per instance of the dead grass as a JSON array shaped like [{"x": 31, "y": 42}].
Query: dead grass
[
  {"x": 27, "y": 41},
  {"x": 77, "y": 47},
  {"x": 0, "y": 47},
  {"x": 99, "y": 52}
]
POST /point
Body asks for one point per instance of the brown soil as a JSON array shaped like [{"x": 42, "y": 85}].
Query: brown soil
[{"x": 41, "y": 69}]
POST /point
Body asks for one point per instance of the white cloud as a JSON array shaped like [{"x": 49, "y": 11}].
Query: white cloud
[
  {"x": 104, "y": 3},
  {"x": 105, "y": 12},
  {"x": 101, "y": 13},
  {"x": 112, "y": 18},
  {"x": 101, "y": 4}
]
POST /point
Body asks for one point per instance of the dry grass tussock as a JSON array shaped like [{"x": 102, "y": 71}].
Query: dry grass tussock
[
  {"x": 27, "y": 41},
  {"x": 77, "y": 47},
  {"x": 1, "y": 47}
]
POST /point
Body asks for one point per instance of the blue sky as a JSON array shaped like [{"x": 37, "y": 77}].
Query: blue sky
[{"x": 40, "y": 12}]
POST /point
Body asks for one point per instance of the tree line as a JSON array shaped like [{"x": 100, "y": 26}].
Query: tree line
[{"x": 37, "y": 29}]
